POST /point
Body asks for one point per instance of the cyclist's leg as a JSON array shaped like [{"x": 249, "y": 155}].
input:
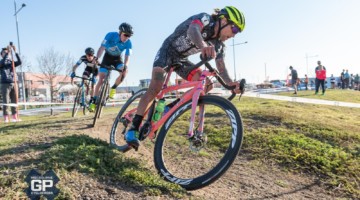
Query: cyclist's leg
[
  {"x": 190, "y": 73},
  {"x": 119, "y": 79},
  {"x": 163, "y": 58},
  {"x": 94, "y": 73},
  {"x": 86, "y": 75},
  {"x": 156, "y": 83},
  {"x": 102, "y": 75}
]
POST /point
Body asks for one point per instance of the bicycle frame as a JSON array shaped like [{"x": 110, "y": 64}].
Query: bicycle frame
[
  {"x": 198, "y": 89},
  {"x": 83, "y": 89}
]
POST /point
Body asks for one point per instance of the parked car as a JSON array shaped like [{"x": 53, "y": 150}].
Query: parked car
[{"x": 278, "y": 83}]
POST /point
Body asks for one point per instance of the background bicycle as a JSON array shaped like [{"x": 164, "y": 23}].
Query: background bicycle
[
  {"x": 104, "y": 93},
  {"x": 204, "y": 130},
  {"x": 81, "y": 97}
]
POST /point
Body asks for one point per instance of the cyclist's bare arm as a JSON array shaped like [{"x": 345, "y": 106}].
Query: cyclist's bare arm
[
  {"x": 194, "y": 33},
  {"x": 126, "y": 61},
  {"x": 220, "y": 65},
  {"x": 100, "y": 52},
  {"x": 74, "y": 68}
]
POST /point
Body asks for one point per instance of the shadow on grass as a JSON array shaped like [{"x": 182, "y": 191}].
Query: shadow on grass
[
  {"x": 93, "y": 157},
  {"x": 25, "y": 148},
  {"x": 34, "y": 124}
]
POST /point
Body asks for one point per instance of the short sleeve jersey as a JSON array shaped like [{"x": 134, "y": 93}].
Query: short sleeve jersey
[
  {"x": 183, "y": 45},
  {"x": 114, "y": 46},
  {"x": 84, "y": 60}
]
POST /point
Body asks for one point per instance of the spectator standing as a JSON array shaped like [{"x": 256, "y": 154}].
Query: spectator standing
[
  {"x": 8, "y": 88},
  {"x": 294, "y": 78},
  {"x": 320, "y": 72},
  {"x": 338, "y": 80},
  {"x": 332, "y": 81},
  {"x": 306, "y": 81},
  {"x": 342, "y": 76},
  {"x": 62, "y": 97},
  {"x": 346, "y": 79},
  {"x": 357, "y": 82},
  {"x": 352, "y": 81}
]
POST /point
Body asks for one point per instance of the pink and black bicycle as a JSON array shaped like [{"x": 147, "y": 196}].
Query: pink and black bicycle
[{"x": 196, "y": 140}]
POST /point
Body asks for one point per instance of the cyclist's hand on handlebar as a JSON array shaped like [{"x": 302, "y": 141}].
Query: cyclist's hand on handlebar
[
  {"x": 208, "y": 51},
  {"x": 96, "y": 61},
  {"x": 237, "y": 84},
  {"x": 72, "y": 75}
]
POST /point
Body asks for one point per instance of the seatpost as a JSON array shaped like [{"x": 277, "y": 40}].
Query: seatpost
[{"x": 168, "y": 77}]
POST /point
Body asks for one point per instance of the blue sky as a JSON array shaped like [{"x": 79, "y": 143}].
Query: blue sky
[{"x": 279, "y": 32}]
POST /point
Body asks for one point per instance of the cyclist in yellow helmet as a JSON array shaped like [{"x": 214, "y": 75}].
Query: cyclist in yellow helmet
[{"x": 203, "y": 33}]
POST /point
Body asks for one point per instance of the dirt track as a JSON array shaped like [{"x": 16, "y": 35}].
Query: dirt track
[{"x": 246, "y": 179}]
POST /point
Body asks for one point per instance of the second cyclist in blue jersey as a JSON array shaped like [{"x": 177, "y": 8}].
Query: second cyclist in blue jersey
[
  {"x": 116, "y": 45},
  {"x": 203, "y": 33}
]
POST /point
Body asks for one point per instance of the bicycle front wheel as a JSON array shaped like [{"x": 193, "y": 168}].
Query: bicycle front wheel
[
  {"x": 76, "y": 103},
  {"x": 100, "y": 102},
  {"x": 123, "y": 121},
  {"x": 198, "y": 161},
  {"x": 85, "y": 103}
]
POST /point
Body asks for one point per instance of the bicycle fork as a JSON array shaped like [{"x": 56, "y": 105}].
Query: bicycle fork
[
  {"x": 199, "y": 92},
  {"x": 83, "y": 95}
]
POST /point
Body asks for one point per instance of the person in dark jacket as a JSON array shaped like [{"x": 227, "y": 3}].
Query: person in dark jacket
[
  {"x": 8, "y": 90},
  {"x": 294, "y": 78}
]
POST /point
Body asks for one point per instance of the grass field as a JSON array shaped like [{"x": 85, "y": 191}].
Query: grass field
[
  {"x": 351, "y": 96},
  {"x": 317, "y": 140}
]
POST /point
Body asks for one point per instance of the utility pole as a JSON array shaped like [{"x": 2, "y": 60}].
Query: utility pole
[
  {"x": 18, "y": 39},
  {"x": 233, "y": 45}
]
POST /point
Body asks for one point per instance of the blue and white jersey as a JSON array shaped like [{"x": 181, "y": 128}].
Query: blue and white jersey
[{"x": 114, "y": 46}]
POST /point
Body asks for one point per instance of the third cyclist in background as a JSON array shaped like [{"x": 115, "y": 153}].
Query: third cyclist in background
[
  {"x": 115, "y": 44},
  {"x": 91, "y": 68}
]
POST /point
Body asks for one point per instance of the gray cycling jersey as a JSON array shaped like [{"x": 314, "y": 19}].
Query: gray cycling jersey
[{"x": 178, "y": 46}]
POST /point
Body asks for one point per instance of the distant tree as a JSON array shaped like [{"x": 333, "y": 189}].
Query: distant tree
[{"x": 51, "y": 64}]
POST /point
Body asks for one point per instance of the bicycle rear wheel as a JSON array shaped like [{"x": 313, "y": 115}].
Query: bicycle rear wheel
[
  {"x": 199, "y": 161},
  {"x": 100, "y": 102},
  {"x": 76, "y": 103},
  {"x": 123, "y": 121}
]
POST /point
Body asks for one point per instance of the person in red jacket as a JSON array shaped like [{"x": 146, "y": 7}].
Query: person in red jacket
[{"x": 320, "y": 72}]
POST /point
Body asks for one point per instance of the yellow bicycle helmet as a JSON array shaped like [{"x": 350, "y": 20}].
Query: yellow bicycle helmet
[{"x": 234, "y": 15}]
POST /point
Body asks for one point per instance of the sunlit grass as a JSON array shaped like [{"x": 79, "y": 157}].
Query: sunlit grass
[
  {"x": 352, "y": 96},
  {"x": 322, "y": 141}
]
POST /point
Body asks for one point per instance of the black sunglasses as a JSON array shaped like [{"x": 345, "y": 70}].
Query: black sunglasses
[{"x": 127, "y": 35}]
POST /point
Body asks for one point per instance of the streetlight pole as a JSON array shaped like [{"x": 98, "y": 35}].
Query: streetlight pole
[
  {"x": 233, "y": 45},
  {"x": 307, "y": 64},
  {"x": 18, "y": 39},
  {"x": 265, "y": 73}
]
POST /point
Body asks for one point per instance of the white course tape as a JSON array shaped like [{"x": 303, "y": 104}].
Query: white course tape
[
  {"x": 46, "y": 103},
  {"x": 248, "y": 94},
  {"x": 33, "y": 104}
]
